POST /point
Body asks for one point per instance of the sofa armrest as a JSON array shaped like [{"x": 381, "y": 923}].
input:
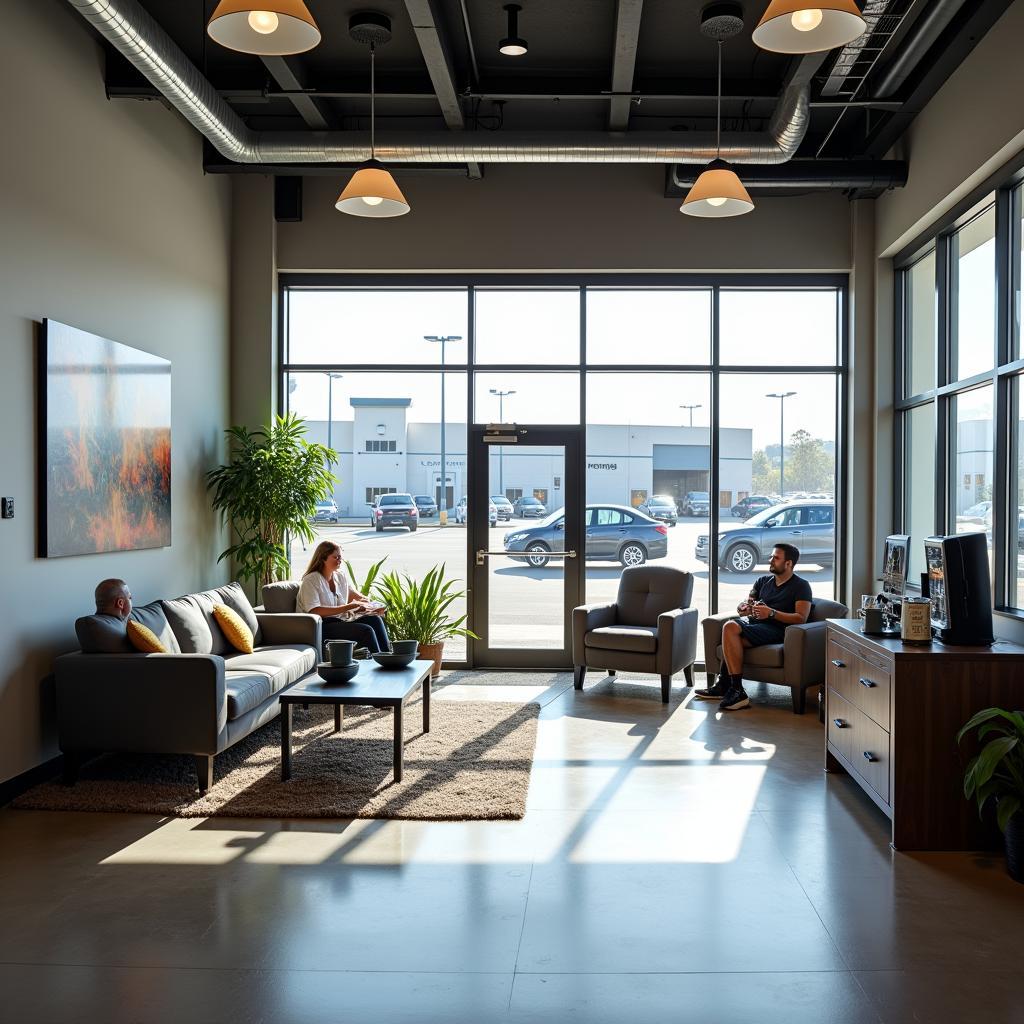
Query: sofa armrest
[
  {"x": 677, "y": 640},
  {"x": 149, "y": 703},
  {"x": 585, "y": 618},
  {"x": 712, "y": 626},
  {"x": 804, "y": 654},
  {"x": 290, "y": 628}
]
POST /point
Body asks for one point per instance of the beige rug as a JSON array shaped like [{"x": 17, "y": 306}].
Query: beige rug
[{"x": 473, "y": 764}]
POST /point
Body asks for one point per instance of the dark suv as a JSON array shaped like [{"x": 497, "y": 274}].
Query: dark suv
[
  {"x": 426, "y": 505},
  {"x": 696, "y": 503},
  {"x": 661, "y": 506},
  {"x": 753, "y": 503},
  {"x": 394, "y": 510}
]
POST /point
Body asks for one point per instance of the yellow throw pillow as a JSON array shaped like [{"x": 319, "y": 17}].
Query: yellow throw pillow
[
  {"x": 144, "y": 639},
  {"x": 238, "y": 634}
]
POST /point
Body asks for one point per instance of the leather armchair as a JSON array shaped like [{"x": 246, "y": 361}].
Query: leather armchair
[
  {"x": 798, "y": 662},
  {"x": 649, "y": 628}
]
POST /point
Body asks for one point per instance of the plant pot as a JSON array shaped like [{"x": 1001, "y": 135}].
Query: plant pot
[
  {"x": 1015, "y": 847},
  {"x": 432, "y": 652}
]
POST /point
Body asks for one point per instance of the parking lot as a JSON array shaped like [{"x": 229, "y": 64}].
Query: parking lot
[{"x": 526, "y": 602}]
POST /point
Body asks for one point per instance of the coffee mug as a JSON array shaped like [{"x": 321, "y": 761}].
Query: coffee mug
[
  {"x": 339, "y": 652},
  {"x": 874, "y": 621}
]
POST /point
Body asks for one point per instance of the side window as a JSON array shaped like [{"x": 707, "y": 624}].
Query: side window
[
  {"x": 588, "y": 517},
  {"x": 819, "y": 517},
  {"x": 607, "y": 517},
  {"x": 791, "y": 517}
]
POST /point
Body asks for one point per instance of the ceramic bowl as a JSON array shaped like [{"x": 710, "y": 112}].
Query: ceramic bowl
[
  {"x": 337, "y": 673},
  {"x": 394, "y": 660}
]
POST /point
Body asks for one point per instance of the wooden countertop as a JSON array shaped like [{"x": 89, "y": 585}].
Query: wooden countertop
[{"x": 949, "y": 652}]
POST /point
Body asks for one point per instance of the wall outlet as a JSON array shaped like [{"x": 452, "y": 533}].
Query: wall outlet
[{"x": 6, "y": 508}]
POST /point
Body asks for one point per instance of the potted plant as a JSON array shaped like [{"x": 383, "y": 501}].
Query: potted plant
[
  {"x": 418, "y": 610},
  {"x": 269, "y": 489},
  {"x": 997, "y": 772}
]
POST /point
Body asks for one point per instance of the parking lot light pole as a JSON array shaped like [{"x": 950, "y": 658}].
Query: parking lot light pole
[
  {"x": 442, "y": 512},
  {"x": 782, "y": 396},
  {"x": 501, "y": 448},
  {"x": 691, "y": 408}
]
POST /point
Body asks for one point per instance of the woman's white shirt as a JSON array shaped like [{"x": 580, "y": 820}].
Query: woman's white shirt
[{"x": 315, "y": 592}]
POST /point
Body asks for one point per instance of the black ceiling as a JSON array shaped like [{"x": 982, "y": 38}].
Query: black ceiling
[{"x": 565, "y": 81}]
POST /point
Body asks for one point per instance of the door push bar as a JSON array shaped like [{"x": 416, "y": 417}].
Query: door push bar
[{"x": 482, "y": 556}]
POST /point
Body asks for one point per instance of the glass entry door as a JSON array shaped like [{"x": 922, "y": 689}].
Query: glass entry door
[{"x": 526, "y": 552}]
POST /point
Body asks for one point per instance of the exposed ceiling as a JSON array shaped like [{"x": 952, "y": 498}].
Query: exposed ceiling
[{"x": 633, "y": 66}]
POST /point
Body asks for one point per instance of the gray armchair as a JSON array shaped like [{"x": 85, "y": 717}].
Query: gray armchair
[
  {"x": 649, "y": 628},
  {"x": 798, "y": 662}
]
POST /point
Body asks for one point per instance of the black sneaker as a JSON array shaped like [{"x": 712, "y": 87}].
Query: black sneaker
[
  {"x": 715, "y": 692},
  {"x": 735, "y": 699}
]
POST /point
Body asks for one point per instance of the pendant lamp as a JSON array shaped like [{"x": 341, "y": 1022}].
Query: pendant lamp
[
  {"x": 512, "y": 45},
  {"x": 808, "y": 26},
  {"x": 718, "y": 192},
  {"x": 269, "y": 28},
  {"x": 372, "y": 191}
]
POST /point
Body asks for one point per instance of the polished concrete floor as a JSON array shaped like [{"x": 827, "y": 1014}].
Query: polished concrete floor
[{"x": 674, "y": 865}]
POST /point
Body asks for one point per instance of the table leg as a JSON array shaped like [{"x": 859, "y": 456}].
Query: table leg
[
  {"x": 398, "y": 742},
  {"x": 339, "y": 714},
  {"x": 426, "y": 703},
  {"x": 286, "y": 741}
]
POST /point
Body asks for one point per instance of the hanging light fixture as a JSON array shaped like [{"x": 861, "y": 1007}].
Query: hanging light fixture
[
  {"x": 372, "y": 191},
  {"x": 718, "y": 192},
  {"x": 274, "y": 28},
  {"x": 512, "y": 45},
  {"x": 808, "y": 26}
]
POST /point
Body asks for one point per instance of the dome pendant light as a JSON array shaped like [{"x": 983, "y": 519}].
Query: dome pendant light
[
  {"x": 808, "y": 26},
  {"x": 512, "y": 45},
  {"x": 372, "y": 191},
  {"x": 718, "y": 192},
  {"x": 275, "y": 28}
]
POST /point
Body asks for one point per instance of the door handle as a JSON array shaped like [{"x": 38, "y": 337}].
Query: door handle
[
  {"x": 839, "y": 723},
  {"x": 868, "y": 756},
  {"x": 482, "y": 555},
  {"x": 835, "y": 661},
  {"x": 867, "y": 682},
  {"x": 798, "y": 532}
]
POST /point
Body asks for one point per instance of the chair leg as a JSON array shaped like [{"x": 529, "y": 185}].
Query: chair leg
[
  {"x": 666, "y": 688},
  {"x": 799, "y": 700},
  {"x": 204, "y": 771},
  {"x": 688, "y": 672},
  {"x": 611, "y": 671},
  {"x": 578, "y": 672}
]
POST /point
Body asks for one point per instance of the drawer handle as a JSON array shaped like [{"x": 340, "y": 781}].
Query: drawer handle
[
  {"x": 838, "y": 723},
  {"x": 867, "y": 682},
  {"x": 868, "y": 756},
  {"x": 838, "y": 663}
]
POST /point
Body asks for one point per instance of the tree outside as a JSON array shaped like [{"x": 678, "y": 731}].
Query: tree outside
[{"x": 809, "y": 467}]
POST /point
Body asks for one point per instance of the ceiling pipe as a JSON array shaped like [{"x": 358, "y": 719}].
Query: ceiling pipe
[
  {"x": 805, "y": 174},
  {"x": 141, "y": 40},
  {"x": 933, "y": 21}
]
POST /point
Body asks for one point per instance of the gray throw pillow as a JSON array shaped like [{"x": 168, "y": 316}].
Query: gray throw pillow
[
  {"x": 103, "y": 634},
  {"x": 190, "y": 626},
  {"x": 280, "y": 597}
]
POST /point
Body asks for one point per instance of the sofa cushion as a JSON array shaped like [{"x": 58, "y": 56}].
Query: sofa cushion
[
  {"x": 190, "y": 627},
  {"x": 280, "y": 597},
  {"x": 769, "y": 656},
  {"x": 102, "y": 634},
  {"x": 638, "y": 639},
  {"x": 153, "y": 618},
  {"x": 646, "y": 591},
  {"x": 250, "y": 679}
]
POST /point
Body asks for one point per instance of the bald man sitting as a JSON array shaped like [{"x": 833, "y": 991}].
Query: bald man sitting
[{"x": 113, "y": 598}]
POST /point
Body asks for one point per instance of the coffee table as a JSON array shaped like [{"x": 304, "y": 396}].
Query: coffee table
[{"x": 373, "y": 687}]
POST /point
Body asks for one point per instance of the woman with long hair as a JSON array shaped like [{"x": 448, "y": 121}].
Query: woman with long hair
[{"x": 347, "y": 614}]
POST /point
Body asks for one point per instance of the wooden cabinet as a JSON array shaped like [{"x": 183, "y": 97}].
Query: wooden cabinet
[{"x": 892, "y": 715}]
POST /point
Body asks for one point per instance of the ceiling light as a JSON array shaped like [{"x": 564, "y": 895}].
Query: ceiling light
[
  {"x": 718, "y": 192},
  {"x": 799, "y": 26},
  {"x": 512, "y": 45},
  {"x": 372, "y": 191},
  {"x": 273, "y": 29}
]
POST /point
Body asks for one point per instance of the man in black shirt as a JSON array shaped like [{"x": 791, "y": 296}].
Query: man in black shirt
[{"x": 776, "y": 601}]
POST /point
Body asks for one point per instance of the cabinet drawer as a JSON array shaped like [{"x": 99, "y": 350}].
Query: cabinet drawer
[
  {"x": 871, "y": 689},
  {"x": 840, "y": 723},
  {"x": 841, "y": 668},
  {"x": 870, "y": 753}
]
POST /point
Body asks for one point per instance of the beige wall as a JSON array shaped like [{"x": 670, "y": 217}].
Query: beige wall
[{"x": 107, "y": 223}]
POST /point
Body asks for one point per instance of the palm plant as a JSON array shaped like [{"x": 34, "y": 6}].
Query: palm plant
[
  {"x": 269, "y": 489},
  {"x": 418, "y": 609},
  {"x": 997, "y": 772},
  {"x": 365, "y": 585}
]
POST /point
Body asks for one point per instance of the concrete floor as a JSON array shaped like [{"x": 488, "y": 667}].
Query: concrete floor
[{"x": 673, "y": 865}]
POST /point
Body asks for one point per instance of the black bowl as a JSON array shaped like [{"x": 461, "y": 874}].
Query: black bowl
[
  {"x": 337, "y": 673},
  {"x": 394, "y": 660}
]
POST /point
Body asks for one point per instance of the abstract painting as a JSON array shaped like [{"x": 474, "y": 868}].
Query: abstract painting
[{"x": 105, "y": 445}]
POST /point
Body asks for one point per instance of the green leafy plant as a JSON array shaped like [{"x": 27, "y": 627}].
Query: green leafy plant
[
  {"x": 418, "y": 609},
  {"x": 997, "y": 772},
  {"x": 268, "y": 489},
  {"x": 365, "y": 585}
]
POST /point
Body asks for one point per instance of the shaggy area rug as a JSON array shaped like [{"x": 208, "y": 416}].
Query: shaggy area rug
[{"x": 473, "y": 764}]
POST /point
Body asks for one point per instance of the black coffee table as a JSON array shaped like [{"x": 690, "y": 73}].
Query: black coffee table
[{"x": 373, "y": 687}]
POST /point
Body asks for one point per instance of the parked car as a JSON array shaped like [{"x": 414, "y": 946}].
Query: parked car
[
  {"x": 528, "y": 507},
  {"x": 614, "y": 533},
  {"x": 425, "y": 505},
  {"x": 462, "y": 512},
  {"x": 809, "y": 526},
  {"x": 394, "y": 510},
  {"x": 696, "y": 503},
  {"x": 978, "y": 513},
  {"x": 661, "y": 506},
  {"x": 752, "y": 504},
  {"x": 326, "y": 511},
  {"x": 503, "y": 505}
]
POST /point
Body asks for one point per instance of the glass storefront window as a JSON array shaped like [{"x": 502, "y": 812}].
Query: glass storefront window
[
  {"x": 973, "y": 296},
  {"x": 532, "y": 327},
  {"x": 781, "y": 327},
  {"x": 648, "y": 326},
  {"x": 919, "y": 484},
  {"x": 919, "y": 298},
  {"x": 971, "y": 489}
]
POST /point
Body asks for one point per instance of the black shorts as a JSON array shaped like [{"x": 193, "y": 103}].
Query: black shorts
[{"x": 757, "y": 634}]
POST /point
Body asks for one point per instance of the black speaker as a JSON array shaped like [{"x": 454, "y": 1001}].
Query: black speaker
[{"x": 287, "y": 199}]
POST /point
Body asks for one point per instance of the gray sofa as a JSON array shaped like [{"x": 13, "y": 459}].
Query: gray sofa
[
  {"x": 199, "y": 698},
  {"x": 798, "y": 662}
]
